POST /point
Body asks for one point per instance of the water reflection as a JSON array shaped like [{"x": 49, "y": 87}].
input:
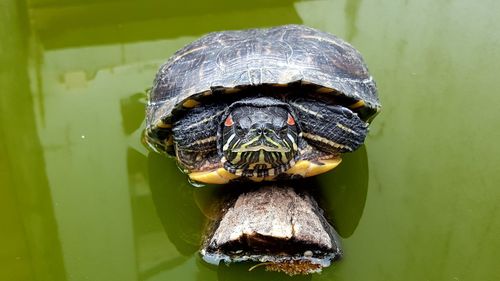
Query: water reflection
[
  {"x": 173, "y": 198},
  {"x": 240, "y": 272},
  {"x": 132, "y": 110},
  {"x": 29, "y": 239},
  {"x": 78, "y": 23},
  {"x": 343, "y": 191}
]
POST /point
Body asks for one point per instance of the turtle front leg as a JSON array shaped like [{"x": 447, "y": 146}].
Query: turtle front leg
[
  {"x": 195, "y": 138},
  {"x": 330, "y": 128},
  {"x": 195, "y": 141}
]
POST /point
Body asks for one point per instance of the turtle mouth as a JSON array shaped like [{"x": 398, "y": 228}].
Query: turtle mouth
[
  {"x": 259, "y": 155},
  {"x": 250, "y": 160},
  {"x": 262, "y": 147}
]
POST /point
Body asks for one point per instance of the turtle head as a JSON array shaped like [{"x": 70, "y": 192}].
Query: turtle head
[{"x": 259, "y": 137}]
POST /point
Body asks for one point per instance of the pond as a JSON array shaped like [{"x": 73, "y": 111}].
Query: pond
[{"x": 82, "y": 199}]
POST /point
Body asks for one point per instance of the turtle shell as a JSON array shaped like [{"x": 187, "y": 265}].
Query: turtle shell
[{"x": 280, "y": 56}]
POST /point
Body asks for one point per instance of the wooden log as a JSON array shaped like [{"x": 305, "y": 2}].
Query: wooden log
[{"x": 276, "y": 225}]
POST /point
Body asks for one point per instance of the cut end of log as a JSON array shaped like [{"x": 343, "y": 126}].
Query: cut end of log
[{"x": 277, "y": 226}]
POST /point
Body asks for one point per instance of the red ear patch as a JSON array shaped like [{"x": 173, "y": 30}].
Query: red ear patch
[
  {"x": 229, "y": 121},
  {"x": 290, "y": 120}
]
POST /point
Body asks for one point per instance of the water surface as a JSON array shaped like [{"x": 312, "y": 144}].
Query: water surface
[{"x": 81, "y": 198}]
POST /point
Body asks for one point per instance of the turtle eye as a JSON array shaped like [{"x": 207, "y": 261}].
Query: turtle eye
[
  {"x": 239, "y": 130},
  {"x": 284, "y": 130}
]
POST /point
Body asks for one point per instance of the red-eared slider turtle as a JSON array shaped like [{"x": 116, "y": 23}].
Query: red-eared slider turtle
[{"x": 261, "y": 104}]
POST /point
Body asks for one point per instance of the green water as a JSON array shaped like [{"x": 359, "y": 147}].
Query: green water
[{"x": 81, "y": 199}]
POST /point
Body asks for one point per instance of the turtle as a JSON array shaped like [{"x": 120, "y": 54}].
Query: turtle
[{"x": 261, "y": 104}]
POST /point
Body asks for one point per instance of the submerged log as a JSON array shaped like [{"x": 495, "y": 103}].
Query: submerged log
[{"x": 278, "y": 226}]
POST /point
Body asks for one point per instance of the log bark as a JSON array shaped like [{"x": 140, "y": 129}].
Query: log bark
[{"x": 276, "y": 225}]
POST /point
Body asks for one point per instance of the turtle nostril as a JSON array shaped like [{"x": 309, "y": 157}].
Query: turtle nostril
[{"x": 261, "y": 129}]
